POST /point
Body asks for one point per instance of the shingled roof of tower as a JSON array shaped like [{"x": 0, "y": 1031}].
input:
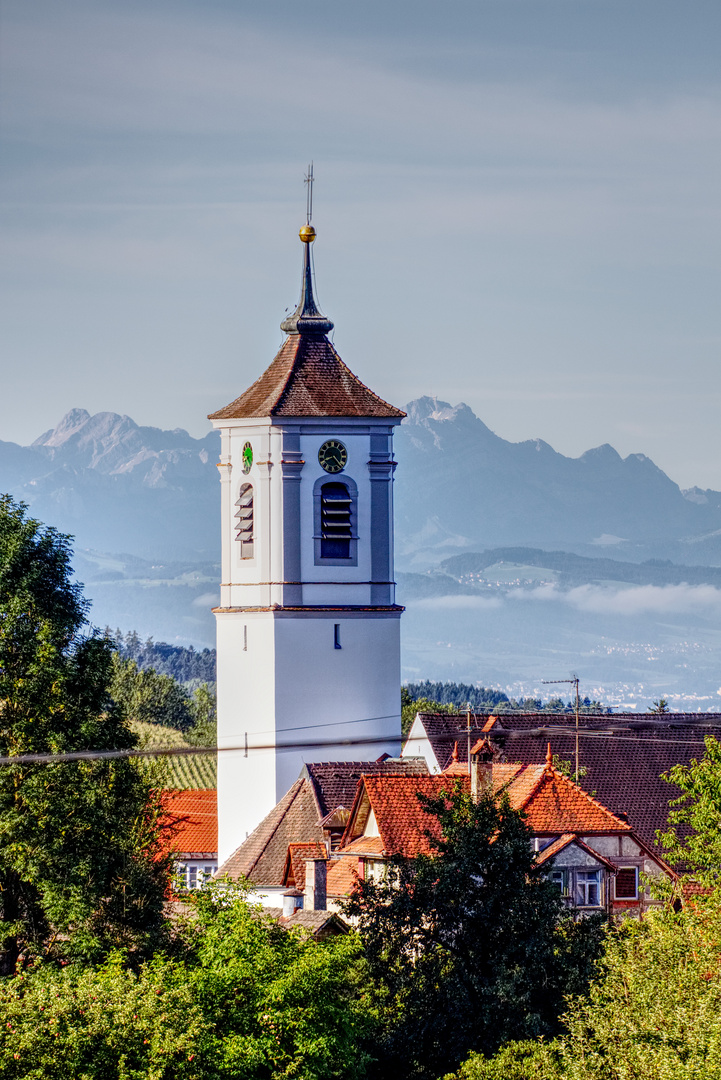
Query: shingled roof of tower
[{"x": 307, "y": 378}]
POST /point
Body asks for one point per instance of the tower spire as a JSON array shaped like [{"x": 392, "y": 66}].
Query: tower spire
[{"x": 307, "y": 317}]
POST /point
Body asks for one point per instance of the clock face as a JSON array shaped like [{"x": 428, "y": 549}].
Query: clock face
[
  {"x": 333, "y": 456},
  {"x": 247, "y": 458}
]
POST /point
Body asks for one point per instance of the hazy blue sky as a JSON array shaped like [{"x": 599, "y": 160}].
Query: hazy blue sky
[{"x": 517, "y": 206}]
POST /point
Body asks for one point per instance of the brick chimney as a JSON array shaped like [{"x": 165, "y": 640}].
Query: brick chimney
[
  {"x": 314, "y": 898},
  {"x": 481, "y": 769}
]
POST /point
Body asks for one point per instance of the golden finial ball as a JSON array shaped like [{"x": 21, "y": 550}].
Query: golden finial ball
[{"x": 307, "y": 234}]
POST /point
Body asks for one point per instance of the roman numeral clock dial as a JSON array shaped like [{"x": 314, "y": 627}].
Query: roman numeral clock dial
[{"x": 333, "y": 456}]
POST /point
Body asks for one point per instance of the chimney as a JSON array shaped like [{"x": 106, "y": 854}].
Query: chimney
[
  {"x": 315, "y": 884},
  {"x": 292, "y": 901},
  {"x": 481, "y": 769}
]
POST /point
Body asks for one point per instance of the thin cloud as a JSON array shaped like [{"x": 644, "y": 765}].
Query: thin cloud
[{"x": 633, "y": 600}]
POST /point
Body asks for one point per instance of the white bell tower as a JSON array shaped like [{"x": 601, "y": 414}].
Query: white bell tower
[{"x": 308, "y": 630}]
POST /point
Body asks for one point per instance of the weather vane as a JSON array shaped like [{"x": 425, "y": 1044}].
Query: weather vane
[{"x": 309, "y": 195}]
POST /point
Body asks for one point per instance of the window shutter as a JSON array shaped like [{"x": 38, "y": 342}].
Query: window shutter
[
  {"x": 244, "y": 518},
  {"x": 335, "y": 521},
  {"x": 626, "y": 887}
]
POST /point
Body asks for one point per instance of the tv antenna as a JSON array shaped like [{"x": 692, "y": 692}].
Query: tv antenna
[{"x": 574, "y": 682}]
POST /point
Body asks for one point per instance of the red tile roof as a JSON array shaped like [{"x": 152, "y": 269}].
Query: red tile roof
[
  {"x": 342, "y": 876},
  {"x": 624, "y": 754},
  {"x": 336, "y": 782},
  {"x": 551, "y": 802},
  {"x": 307, "y": 378},
  {"x": 192, "y": 820},
  {"x": 294, "y": 873}
]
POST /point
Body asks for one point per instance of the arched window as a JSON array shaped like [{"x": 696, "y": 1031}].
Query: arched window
[
  {"x": 335, "y": 521},
  {"x": 244, "y": 518}
]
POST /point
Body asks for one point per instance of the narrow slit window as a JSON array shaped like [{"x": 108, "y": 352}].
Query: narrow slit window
[
  {"x": 244, "y": 521},
  {"x": 335, "y": 521},
  {"x": 336, "y": 636}
]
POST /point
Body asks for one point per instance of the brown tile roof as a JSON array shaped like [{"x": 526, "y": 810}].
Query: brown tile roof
[
  {"x": 318, "y": 923},
  {"x": 335, "y": 782},
  {"x": 294, "y": 873},
  {"x": 262, "y": 857},
  {"x": 192, "y": 821},
  {"x": 307, "y": 378},
  {"x": 624, "y": 753}
]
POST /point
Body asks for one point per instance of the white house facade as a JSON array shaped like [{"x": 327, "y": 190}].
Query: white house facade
[{"x": 308, "y": 631}]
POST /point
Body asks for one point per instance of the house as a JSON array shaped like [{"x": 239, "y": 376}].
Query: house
[
  {"x": 307, "y": 823},
  {"x": 622, "y": 757},
  {"x": 191, "y": 833},
  {"x": 593, "y": 855}
]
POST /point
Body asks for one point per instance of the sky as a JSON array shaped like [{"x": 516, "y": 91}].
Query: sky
[{"x": 517, "y": 205}]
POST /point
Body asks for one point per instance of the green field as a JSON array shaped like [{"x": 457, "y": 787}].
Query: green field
[{"x": 196, "y": 771}]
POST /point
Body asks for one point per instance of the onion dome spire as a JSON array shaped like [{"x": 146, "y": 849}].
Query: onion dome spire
[{"x": 307, "y": 317}]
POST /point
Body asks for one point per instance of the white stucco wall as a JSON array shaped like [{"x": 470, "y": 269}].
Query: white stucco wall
[{"x": 280, "y": 677}]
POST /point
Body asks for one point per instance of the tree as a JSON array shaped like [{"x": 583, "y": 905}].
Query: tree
[
  {"x": 660, "y": 706},
  {"x": 80, "y": 870},
  {"x": 410, "y": 706},
  {"x": 468, "y": 947},
  {"x": 149, "y": 697},
  {"x": 240, "y": 999},
  {"x": 693, "y": 839}
]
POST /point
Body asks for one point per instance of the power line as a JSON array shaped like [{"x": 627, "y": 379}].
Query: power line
[{"x": 316, "y": 744}]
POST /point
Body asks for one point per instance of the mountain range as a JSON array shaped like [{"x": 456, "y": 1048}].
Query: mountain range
[
  {"x": 153, "y": 494},
  {"x": 514, "y": 562}
]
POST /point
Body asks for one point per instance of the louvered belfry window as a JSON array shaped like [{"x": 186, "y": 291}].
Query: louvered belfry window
[
  {"x": 244, "y": 519},
  {"x": 335, "y": 521}
]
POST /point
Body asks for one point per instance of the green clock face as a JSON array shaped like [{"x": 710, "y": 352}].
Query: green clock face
[
  {"x": 333, "y": 456},
  {"x": 247, "y": 458}
]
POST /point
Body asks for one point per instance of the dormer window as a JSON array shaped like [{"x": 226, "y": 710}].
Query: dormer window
[{"x": 244, "y": 518}]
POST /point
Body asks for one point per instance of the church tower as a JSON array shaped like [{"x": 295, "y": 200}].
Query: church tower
[{"x": 308, "y": 630}]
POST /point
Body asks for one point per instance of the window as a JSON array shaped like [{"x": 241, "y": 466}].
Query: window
[
  {"x": 627, "y": 883},
  {"x": 335, "y": 521},
  {"x": 560, "y": 879},
  {"x": 588, "y": 888},
  {"x": 336, "y": 636},
  {"x": 244, "y": 518},
  {"x": 194, "y": 875}
]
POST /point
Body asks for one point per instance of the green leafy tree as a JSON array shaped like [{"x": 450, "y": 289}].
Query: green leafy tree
[
  {"x": 410, "y": 706},
  {"x": 468, "y": 947},
  {"x": 693, "y": 839},
  {"x": 530, "y": 1059},
  {"x": 149, "y": 697},
  {"x": 80, "y": 869},
  {"x": 240, "y": 999}
]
